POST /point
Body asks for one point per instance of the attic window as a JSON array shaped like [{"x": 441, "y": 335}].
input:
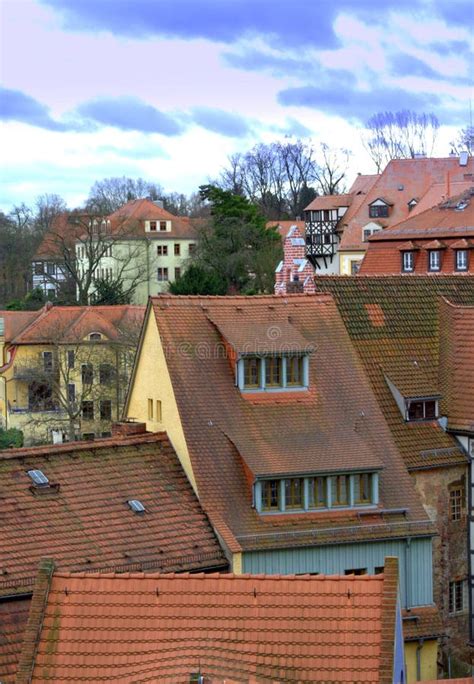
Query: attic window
[
  {"x": 460, "y": 206},
  {"x": 421, "y": 409},
  {"x": 39, "y": 478},
  {"x": 136, "y": 506},
  {"x": 95, "y": 336},
  {"x": 273, "y": 373},
  {"x": 379, "y": 209}
]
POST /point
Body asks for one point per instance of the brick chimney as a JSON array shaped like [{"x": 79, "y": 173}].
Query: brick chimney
[
  {"x": 294, "y": 274},
  {"x": 128, "y": 428}
]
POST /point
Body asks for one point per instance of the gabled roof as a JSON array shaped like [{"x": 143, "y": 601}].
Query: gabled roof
[
  {"x": 83, "y": 520},
  {"x": 129, "y": 221},
  {"x": 15, "y": 321},
  {"x": 330, "y": 202},
  {"x": 401, "y": 180},
  {"x": 295, "y": 629},
  {"x": 62, "y": 234},
  {"x": 394, "y": 322},
  {"x": 63, "y": 324},
  {"x": 233, "y": 437},
  {"x": 284, "y": 226}
]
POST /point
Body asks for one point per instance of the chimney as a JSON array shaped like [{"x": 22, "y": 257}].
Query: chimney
[
  {"x": 448, "y": 185},
  {"x": 128, "y": 428}
]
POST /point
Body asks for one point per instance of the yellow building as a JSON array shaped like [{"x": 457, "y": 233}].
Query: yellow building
[{"x": 64, "y": 370}]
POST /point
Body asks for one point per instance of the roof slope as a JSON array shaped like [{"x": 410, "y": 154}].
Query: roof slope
[
  {"x": 15, "y": 321},
  {"x": 401, "y": 181},
  {"x": 13, "y": 621},
  {"x": 230, "y": 434},
  {"x": 239, "y": 628},
  {"x": 394, "y": 324},
  {"x": 86, "y": 523},
  {"x": 129, "y": 221},
  {"x": 58, "y": 324}
]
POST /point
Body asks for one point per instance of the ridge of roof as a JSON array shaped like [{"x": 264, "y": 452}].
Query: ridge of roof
[{"x": 212, "y": 576}]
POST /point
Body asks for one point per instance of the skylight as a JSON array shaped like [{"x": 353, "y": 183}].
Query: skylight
[
  {"x": 38, "y": 477},
  {"x": 136, "y": 506}
]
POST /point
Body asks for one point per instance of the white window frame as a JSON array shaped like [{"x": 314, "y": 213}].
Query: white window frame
[
  {"x": 434, "y": 260},
  {"x": 465, "y": 260},
  {"x": 408, "y": 261}
]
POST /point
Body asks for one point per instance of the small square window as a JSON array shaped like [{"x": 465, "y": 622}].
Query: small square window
[
  {"x": 162, "y": 250},
  {"x": 39, "y": 268}
]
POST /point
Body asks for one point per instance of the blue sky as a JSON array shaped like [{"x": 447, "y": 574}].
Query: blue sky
[{"x": 167, "y": 89}]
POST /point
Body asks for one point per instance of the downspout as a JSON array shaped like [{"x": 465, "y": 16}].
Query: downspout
[
  {"x": 6, "y": 401},
  {"x": 419, "y": 648},
  {"x": 407, "y": 574},
  {"x": 147, "y": 242}
]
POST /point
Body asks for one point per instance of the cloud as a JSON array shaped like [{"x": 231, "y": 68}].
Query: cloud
[
  {"x": 130, "y": 114},
  {"x": 407, "y": 65},
  {"x": 218, "y": 121},
  {"x": 16, "y": 106},
  {"x": 293, "y": 128},
  {"x": 258, "y": 60},
  {"x": 296, "y": 23},
  {"x": 355, "y": 104},
  {"x": 139, "y": 152}
]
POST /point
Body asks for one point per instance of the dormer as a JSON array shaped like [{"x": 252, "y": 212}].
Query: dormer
[
  {"x": 414, "y": 392},
  {"x": 412, "y": 203},
  {"x": 380, "y": 208},
  {"x": 157, "y": 226}
]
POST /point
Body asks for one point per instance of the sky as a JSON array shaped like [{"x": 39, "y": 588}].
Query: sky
[{"x": 166, "y": 90}]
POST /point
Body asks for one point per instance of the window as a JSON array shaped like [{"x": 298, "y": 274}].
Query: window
[
  {"x": 191, "y": 248},
  {"x": 461, "y": 260},
  {"x": 355, "y": 267},
  {"x": 71, "y": 393},
  {"x": 294, "y": 370},
  {"x": 106, "y": 434},
  {"x": 252, "y": 372},
  {"x": 177, "y": 249},
  {"x": 318, "y": 492},
  {"x": 87, "y": 372},
  {"x": 150, "y": 409},
  {"x": 47, "y": 361},
  {"x": 38, "y": 477},
  {"x": 271, "y": 495},
  {"x": 340, "y": 490},
  {"x": 88, "y": 410},
  {"x": 378, "y": 211},
  {"x": 162, "y": 250},
  {"x": 39, "y": 268},
  {"x": 162, "y": 274},
  {"x": 363, "y": 488},
  {"x": 162, "y": 225},
  {"x": 158, "y": 411},
  {"x": 294, "y": 493},
  {"x": 273, "y": 374},
  {"x": 456, "y": 597},
  {"x": 152, "y": 226},
  {"x": 434, "y": 260},
  {"x": 408, "y": 261},
  {"x": 105, "y": 373},
  {"x": 88, "y": 436},
  {"x": 356, "y": 571},
  {"x": 95, "y": 337},
  {"x": 50, "y": 269},
  {"x": 106, "y": 409},
  {"x": 71, "y": 359},
  {"x": 422, "y": 410},
  {"x": 177, "y": 273},
  {"x": 457, "y": 496}
]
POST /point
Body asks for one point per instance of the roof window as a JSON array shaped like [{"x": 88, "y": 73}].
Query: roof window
[
  {"x": 94, "y": 336},
  {"x": 136, "y": 506},
  {"x": 38, "y": 478}
]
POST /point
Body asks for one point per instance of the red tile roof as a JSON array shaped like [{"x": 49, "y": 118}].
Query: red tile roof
[
  {"x": 13, "y": 621},
  {"x": 83, "y": 520},
  {"x": 239, "y": 628},
  {"x": 422, "y": 622},
  {"x": 73, "y": 323},
  {"x": 228, "y": 435},
  {"x": 330, "y": 202},
  {"x": 284, "y": 226},
  {"x": 15, "y": 321},
  {"x": 401, "y": 181},
  {"x": 62, "y": 234},
  {"x": 410, "y": 334},
  {"x": 457, "y": 364},
  {"x": 129, "y": 221}
]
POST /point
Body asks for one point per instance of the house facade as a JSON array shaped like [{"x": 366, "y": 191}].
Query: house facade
[
  {"x": 297, "y": 472},
  {"x": 64, "y": 370},
  {"x": 415, "y": 338},
  {"x": 339, "y": 227},
  {"x": 436, "y": 241}
]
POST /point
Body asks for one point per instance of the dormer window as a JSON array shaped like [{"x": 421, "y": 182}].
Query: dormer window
[
  {"x": 461, "y": 260},
  {"x": 434, "y": 260},
  {"x": 273, "y": 372},
  {"x": 153, "y": 226},
  {"x": 379, "y": 208},
  {"x": 412, "y": 203},
  {"x": 421, "y": 409},
  {"x": 408, "y": 262},
  {"x": 95, "y": 337},
  {"x": 316, "y": 492},
  {"x": 163, "y": 225}
]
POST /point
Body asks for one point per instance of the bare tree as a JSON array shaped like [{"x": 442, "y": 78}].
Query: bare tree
[
  {"x": 330, "y": 170},
  {"x": 464, "y": 141},
  {"x": 399, "y": 135},
  {"x": 300, "y": 170},
  {"x": 109, "y": 194},
  {"x": 48, "y": 208}
]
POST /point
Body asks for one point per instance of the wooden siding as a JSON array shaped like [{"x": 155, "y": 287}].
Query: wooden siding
[{"x": 333, "y": 560}]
